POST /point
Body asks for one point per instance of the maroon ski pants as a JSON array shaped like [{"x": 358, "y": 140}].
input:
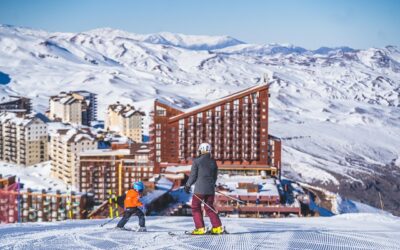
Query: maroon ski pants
[{"x": 197, "y": 212}]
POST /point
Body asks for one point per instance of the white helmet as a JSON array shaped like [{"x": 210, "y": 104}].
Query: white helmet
[{"x": 205, "y": 148}]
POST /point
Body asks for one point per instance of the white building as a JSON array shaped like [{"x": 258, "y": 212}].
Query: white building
[
  {"x": 76, "y": 107},
  {"x": 125, "y": 120},
  {"x": 65, "y": 147},
  {"x": 23, "y": 140}
]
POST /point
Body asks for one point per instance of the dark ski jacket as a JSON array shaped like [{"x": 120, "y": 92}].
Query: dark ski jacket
[{"x": 203, "y": 175}]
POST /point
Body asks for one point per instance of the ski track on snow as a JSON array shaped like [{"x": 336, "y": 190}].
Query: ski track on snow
[{"x": 340, "y": 232}]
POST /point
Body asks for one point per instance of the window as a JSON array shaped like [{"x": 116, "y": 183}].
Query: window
[{"x": 160, "y": 111}]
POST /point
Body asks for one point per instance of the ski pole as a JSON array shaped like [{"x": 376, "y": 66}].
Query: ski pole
[
  {"x": 231, "y": 197},
  {"x": 111, "y": 220},
  {"x": 205, "y": 204}
]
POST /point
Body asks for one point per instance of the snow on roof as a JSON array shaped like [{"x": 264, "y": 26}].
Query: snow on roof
[
  {"x": 129, "y": 113},
  {"x": 55, "y": 126},
  {"x": 219, "y": 100},
  {"x": 83, "y": 93},
  {"x": 105, "y": 152},
  {"x": 163, "y": 186},
  {"x": 168, "y": 103},
  {"x": 72, "y": 96},
  {"x": 8, "y": 98},
  {"x": 74, "y": 134},
  {"x": 80, "y": 137},
  {"x": 14, "y": 119},
  {"x": 266, "y": 186},
  {"x": 178, "y": 169},
  {"x": 35, "y": 177},
  {"x": 125, "y": 110}
]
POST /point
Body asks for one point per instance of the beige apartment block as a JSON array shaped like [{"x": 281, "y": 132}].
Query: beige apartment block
[
  {"x": 75, "y": 107},
  {"x": 65, "y": 147},
  {"x": 125, "y": 120},
  {"x": 23, "y": 139}
]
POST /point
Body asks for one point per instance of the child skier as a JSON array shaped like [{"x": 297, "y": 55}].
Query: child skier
[
  {"x": 132, "y": 206},
  {"x": 204, "y": 175}
]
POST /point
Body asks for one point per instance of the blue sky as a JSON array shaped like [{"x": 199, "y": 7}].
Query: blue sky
[{"x": 307, "y": 23}]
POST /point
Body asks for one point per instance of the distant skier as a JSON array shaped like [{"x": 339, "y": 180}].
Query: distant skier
[
  {"x": 132, "y": 206},
  {"x": 203, "y": 175}
]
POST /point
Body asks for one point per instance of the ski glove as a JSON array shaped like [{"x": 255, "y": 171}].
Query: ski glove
[{"x": 187, "y": 189}]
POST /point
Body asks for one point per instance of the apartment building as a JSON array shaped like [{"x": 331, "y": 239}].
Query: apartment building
[
  {"x": 236, "y": 126},
  {"x": 115, "y": 169},
  {"x": 75, "y": 107},
  {"x": 127, "y": 121},
  {"x": 16, "y": 104},
  {"x": 65, "y": 147},
  {"x": 23, "y": 139}
]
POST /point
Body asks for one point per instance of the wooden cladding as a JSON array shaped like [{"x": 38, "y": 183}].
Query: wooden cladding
[
  {"x": 236, "y": 127},
  {"x": 118, "y": 175}
]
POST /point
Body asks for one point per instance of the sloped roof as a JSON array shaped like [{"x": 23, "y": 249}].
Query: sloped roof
[
  {"x": 125, "y": 111},
  {"x": 209, "y": 105}
]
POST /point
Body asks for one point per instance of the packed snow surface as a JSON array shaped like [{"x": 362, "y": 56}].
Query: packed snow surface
[{"x": 350, "y": 231}]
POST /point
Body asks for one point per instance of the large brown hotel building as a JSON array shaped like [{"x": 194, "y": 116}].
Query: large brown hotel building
[{"x": 236, "y": 126}]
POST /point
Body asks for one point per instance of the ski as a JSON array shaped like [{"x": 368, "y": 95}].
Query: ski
[
  {"x": 190, "y": 233},
  {"x": 127, "y": 229}
]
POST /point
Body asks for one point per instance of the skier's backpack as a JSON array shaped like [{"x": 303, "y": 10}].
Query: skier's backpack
[{"x": 120, "y": 200}]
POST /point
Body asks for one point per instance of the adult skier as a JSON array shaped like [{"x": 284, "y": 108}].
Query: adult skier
[
  {"x": 203, "y": 175},
  {"x": 133, "y": 206}
]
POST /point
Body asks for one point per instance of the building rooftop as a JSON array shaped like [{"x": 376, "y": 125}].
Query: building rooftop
[
  {"x": 125, "y": 110},
  {"x": 140, "y": 148},
  {"x": 105, "y": 152},
  {"x": 267, "y": 187},
  {"x": 191, "y": 111},
  {"x": 11, "y": 98},
  {"x": 72, "y": 96},
  {"x": 178, "y": 169},
  {"x": 17, "y": 120},
  {"x": 74, "y": 134}
]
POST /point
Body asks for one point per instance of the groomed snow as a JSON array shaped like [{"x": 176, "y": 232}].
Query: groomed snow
[{"x": 350, "y": 231}]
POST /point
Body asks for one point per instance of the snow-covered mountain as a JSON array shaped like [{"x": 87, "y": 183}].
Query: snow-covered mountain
[{"x": 337, "y": 109}]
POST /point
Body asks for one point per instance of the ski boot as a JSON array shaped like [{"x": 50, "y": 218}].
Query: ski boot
[
  {"x": 141, "y": 229},
  {"x": 199, "y": 231},
  {"x": 217, "y": 230}
]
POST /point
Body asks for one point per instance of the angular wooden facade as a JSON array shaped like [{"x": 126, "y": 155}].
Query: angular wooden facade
[{"x": 236, "y": 126}]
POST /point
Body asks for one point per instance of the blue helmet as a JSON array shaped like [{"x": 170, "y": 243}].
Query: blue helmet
[{"x": 138, "y": 186}]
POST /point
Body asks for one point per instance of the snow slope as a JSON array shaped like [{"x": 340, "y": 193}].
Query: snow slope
[
  {"x": 35, "y": 177},
  {"x": 337, "y": 109},
  {"x": 351, "y": 231}
]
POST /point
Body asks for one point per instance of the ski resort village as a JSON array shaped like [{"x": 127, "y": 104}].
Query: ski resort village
[
  {"x": 116, "y": 140},
  {"x": 67, "y": 166}
]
